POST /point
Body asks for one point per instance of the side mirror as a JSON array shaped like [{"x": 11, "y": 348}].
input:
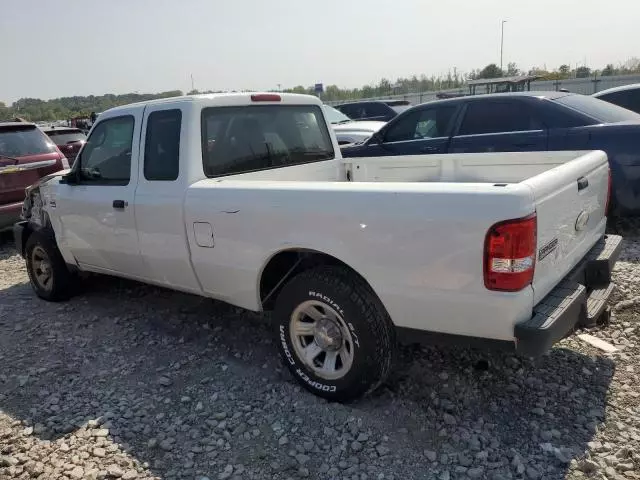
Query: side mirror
[
  {"x": 70, "y": 178},
  {"x": 376, "y": 139}
]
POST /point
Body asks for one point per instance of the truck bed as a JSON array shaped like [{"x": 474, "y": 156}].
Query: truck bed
[
  {"x": 423, "y": 247},
  {"x": 459, "y": 168}
]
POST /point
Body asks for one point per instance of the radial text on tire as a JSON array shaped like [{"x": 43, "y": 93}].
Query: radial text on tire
[{"x": 333, "y": 333}]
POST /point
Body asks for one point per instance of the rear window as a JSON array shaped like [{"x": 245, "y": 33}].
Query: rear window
[
  {"x": 245, "y": 139},
  {"x": 629, "y": 99},
  {"x": 62, "y": 137},
  {"x": 25, "y": 140},
  {"x": 598, "y": 109}
]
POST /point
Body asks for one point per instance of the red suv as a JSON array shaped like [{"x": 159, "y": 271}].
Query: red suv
[
  {"x": 26, "y": 155},
  {"x": 68, "y": 139}
]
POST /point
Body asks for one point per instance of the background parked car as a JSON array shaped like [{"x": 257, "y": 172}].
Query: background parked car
[
  {"x": 26, "y": 155},
  {"x": 374, "y": 110},
  {"x": 520, "y": 122},
  {"x": 69, "y": 140},
  {"x": 350, "y": 131},
  {"x": 627, "y": 96}
]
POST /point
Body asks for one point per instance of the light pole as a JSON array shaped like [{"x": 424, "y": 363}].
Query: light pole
[{"x": 502, "y": 43}]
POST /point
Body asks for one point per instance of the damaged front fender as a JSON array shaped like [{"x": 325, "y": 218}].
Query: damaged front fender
[{"x": 33, "y": 207}]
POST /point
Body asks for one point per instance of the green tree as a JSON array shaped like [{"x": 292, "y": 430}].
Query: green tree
[
  {"x": 490, "y": 71},
  {"x": 564, "y": 71},
  {"x": 512, "y": 70},
  {"x": 608, "y": 70},
  {"x": 583, "y": 72}
]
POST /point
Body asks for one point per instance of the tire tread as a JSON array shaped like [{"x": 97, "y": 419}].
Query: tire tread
[
  {"x": 62, "y": 276},
  {"x": 373, "y": 313}
]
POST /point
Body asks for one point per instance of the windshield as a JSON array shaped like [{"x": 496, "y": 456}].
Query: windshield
[
  {"x": 335, "y": 116},
  {"x": 62, "y": 137},
  {"x": 24, "y": 140},
  {"x": 598, "y": 109}
]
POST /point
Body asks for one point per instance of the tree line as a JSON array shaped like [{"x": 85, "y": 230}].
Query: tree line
[
  {"x": 69, "y": 107},
  {"x": 65, "y": 108}
]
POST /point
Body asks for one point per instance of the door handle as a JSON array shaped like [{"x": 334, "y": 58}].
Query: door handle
[
  {"x": 119, "y": 204},
  {"x": 429, "y": 149},
  {"x": 583, "y": 182}
]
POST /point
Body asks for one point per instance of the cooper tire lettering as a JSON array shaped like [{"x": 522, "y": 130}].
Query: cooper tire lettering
[{"x": 364, "y": 319}]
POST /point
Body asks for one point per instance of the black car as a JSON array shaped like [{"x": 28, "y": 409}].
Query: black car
[
  {"x": 626, "y": 97},
  {"x": 382, "y": 110},
  {"x": 519, "y": 122}
]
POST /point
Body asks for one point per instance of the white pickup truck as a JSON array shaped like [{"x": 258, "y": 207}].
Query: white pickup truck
[{"x": 245, "y": 198}]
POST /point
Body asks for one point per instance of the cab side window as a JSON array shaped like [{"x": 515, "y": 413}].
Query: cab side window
[
  {"x": 497, "y": 117},
  {"x": 106, "y": 158},
  {"x": 421, "y": 124},
  {"x": 162, "y": 146}
]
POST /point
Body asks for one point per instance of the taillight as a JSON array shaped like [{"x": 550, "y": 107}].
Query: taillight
[
  {"x": 606, "y": 207},
  {"x": 266, "y": 97},
  {"x": 510, "y": 254}
]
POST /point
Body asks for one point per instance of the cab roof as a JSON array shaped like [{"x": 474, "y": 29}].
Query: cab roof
[
  {"x": 633, "y": 86},
  {"x": 227, "y": 99},
  {"x": 470, "y": 98}
]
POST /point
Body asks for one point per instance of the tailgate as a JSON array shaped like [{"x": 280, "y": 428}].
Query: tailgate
[{"x": 570, "y": 206}]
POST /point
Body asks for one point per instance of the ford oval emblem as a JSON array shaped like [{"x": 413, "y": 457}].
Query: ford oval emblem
[{"x": 582, "y": 220}]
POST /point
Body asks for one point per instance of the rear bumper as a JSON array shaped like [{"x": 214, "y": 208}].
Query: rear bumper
[
  {"x": 10, "y": 214},
  {"x": 579, "y": 300}
]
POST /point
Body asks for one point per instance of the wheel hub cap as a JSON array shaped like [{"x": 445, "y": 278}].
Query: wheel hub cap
[
  {"x": 321, "y": 339},
  {"x": 42, "y": 270},
  {"x": 327, "y": 335}
]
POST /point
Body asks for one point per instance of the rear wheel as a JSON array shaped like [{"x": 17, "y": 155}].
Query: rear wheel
[
  {"x": 334, "y": 335},
  {"x": 50, "y": 278}
]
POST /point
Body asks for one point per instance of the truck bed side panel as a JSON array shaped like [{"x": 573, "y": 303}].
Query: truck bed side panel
[{"x": 423, "y": 260}]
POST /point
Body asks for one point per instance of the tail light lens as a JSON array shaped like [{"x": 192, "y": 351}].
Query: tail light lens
[
  {"x": 510, "y": 254},
  {"x": 608, "y": 204}
]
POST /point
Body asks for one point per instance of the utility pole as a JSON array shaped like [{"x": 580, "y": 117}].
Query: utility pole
[
  {"x": 192, "y": 84},
  {"x": 279, "y": 87},
  {"x": 502, "y": 43}
]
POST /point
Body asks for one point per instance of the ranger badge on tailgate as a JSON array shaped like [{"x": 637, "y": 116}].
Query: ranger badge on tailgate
[{"x": 547, "y": 249}]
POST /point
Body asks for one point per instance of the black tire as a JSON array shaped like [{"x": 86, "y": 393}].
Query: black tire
[
  {"x": 61, "y": 278},
  {"x": 373, "y": 333}
]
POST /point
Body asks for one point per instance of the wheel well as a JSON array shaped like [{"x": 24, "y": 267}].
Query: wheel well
[
  {"x": 29, "y": 228},
  {"x": 285, "y": 265}
]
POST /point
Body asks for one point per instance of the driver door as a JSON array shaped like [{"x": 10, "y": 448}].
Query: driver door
[{"x": 96, "y": 210}]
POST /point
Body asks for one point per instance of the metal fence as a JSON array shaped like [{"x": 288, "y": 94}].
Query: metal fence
[{"x": 586, "y": 86}]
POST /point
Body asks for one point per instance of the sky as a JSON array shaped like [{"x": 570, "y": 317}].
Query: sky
[{"x": 62, "y": 48}]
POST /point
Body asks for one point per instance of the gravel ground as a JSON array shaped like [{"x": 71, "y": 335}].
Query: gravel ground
[{"x": 133, "y": 382}]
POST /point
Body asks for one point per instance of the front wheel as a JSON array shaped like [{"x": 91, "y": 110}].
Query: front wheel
[
  {"x": 50, "y": 278},
  {"x": 334, "y": 334}
]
